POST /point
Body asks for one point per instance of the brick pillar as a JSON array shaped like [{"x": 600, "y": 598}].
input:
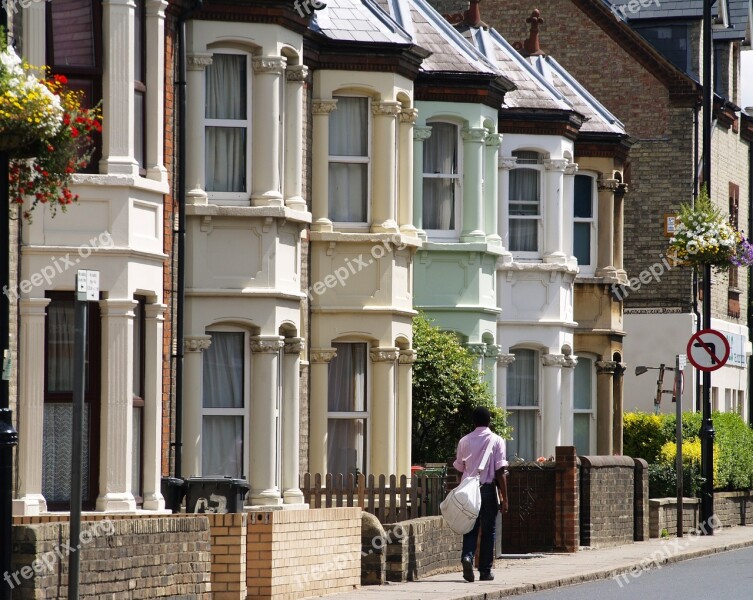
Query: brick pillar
[
  {"x": 229, "y": 554},
  {"x": 640, "y": 510},
  {"x": 567, "y": 526}
]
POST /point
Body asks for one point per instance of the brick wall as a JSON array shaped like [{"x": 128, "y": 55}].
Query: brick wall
[
  {"x": 300, "y": 553},
  {"x": 420, "y": 548},
  {"x": 734, "y": 508},
  {"x": 641, "y": 517},
  {"x": 229, "y": 534},
  {"x": 663, "y": 515},
  {"x": 165, "y": 557},
  {"x": 607, "y": 493}
]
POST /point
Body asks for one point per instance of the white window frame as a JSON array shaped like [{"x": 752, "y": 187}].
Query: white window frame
[
  {"x": 592, "y": 411},
  {"x": 589, "y": 269},
  {"x": 355, "y": 160},
  {"x": 539, "y": 167},
  {"x": 355, "y": 415},
  {"x": 448, "y": 234},
  {"x": 536, "y": 408},
  {"x": 232, "y": 198},
  {"x": 244, "y": 411}
]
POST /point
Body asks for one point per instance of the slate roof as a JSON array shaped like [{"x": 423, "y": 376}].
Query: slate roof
[{"x": 359, "y": 21}]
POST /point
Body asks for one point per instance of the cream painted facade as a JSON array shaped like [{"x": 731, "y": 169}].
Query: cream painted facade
[
  {"x": 115, "y": 228},
  {"x": 361, "y": 284}
]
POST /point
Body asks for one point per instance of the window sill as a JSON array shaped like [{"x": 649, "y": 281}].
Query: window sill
[
  {"x": 278, "y": 212},
  {"x": 133, "y": 181}
]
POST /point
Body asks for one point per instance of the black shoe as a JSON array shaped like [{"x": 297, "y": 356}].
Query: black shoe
[
  {"x": 486, "y": 577},
  {"x": 467, "y": 562}
]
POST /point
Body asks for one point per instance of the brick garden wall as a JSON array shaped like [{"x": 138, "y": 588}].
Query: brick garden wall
[
  {"x": 420, "y": 548},
  {"x": 731, "y": 509},
  {"x": 228, "y": 533},
  {"x": 165, "y": 557}
]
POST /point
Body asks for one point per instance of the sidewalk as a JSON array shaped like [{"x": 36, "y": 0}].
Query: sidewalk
[{"x": 518, "y": 576}]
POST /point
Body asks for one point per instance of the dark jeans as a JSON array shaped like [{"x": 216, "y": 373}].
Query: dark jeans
[{"x": 487, "y": 521}]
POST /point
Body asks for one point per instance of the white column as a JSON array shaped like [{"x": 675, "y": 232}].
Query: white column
[
  {"x": 383, "y": 160},
  {"x": 30, "y": 407},
  {"x": 554, "y": 218},
  {"x": 33, "y": 26},
  {"x": 405, "y": 175},
  {"x": 265, "y": 447},
  {"x": 491, "y": 184},
  {"x": 196, "y": 65},
  {"x": 319, "y": 359},
  {"x": 503, "y": 223},
  {"x": 154, "y": 317},
  {"x": 116, "y": 426},
  {"x": 569, "y": 209},
  {"x": 489, "y": 366},
  {"x": 118, "y": 102},
  {"x": 193, "y": 370},
  {"x": 619, "y": 225},
  {"x": 551, "y": 402},
  {"x": 320, "y": 165},
  {"x": 568, "y": 403},
  {"x": 605, "y": 251},
  {"x": 503, "y": 361},
  {"x": 473, "y": 198},
  {"x": 265, "y": 155},
  {"x": 296, "y": 77},
  {"x": 383, "y": 411},
  {"x": 155, "y": 86},
  {"x": 291, "y": 493},
  {"x": 404, "y": 411},
  {"x": 420, "y": 135}
]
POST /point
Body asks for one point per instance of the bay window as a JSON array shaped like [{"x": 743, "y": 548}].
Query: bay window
[
  {"x": 525, "y": 203},
  {"x": 523, "y": 403},
  {"x": 349, "y": 160},
  {"x": 441, "y": 181},
  {"x": 584, "y": 223}
]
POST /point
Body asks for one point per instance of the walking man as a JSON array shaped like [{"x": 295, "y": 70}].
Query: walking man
[{"x": 472, "y": 449}]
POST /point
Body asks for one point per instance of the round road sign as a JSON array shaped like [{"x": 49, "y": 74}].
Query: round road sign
[{"x": 708, "y": 350}]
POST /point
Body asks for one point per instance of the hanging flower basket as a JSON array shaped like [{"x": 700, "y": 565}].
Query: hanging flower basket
[
  {"x": 703, "y": 236},
  {"x": 45, "y": 131}
]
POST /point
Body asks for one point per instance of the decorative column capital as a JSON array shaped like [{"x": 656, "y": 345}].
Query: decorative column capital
[
  {"x": 297, "y": 73},
  {"x": 493, "y": 140},
  {"x": 266, "y": 344},
  {"x": 196, "y": 343},
  {"x": 604, "y": 185},
  {"x": 30, "y": 307},
  {"x": 156, "y": 8},
  {"x": 492, "y": 350},
  {"x": 508, "y": 162},
  {"x": 570, "y": 361},
  {"x": 269, "y": 64},
  {"x": 155, "y": 311},
  {"x": 556, "y": 164},
  {"x": 386, "y": 109},
  {"x": 609, "y": 367},
  {"x": 407, "y": 357},
  {"x": 571, "y": 168},
  {"x": 421, "y": 134},
  {"x": 408, "y": 115},
  {"x": 505, "y": 360},
  {"x": 622, "y": 189},
  {"x": 117, "y": 308},
  {"x": 553, "y": 360},
  {"x": 198, "y": 61},
  {"x": 323, "y": 107},
  {"x": 322, "y": 355},
  {"x": 387, "y": 354},
  {"x": 476, "y": 349},
  {"x": 474, "y": 134},
  {"x": 294, "y": 345}
]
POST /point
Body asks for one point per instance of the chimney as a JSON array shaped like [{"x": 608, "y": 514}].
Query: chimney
[
  {"x": 531, "y": 47},
  {"x": 471, "y": 17}
]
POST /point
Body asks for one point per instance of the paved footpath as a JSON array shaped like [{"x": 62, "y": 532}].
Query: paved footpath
[{"x": 519, "y": 576}]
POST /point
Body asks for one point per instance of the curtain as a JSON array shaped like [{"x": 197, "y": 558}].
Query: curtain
[
  {"x": 440, "y": 157},
  {"x": 226, "y": 146},
  {"x": 524, "y": 201},
  {"x": 57, "y": 451},
  {"x": 582, "y": 400},
  {"x": 348, "y": 181},
  {"x": 346, "y": 437},
  {"x": 60, "y": 348},
  {"x": 222, "y": 437},
  {"x": 522, "y": 391}
]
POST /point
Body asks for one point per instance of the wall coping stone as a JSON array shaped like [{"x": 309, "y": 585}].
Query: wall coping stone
[{"x": 600, "y": 462}]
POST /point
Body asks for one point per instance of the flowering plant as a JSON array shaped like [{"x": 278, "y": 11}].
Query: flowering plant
[
  {"x": 42, "y": 119},
  {"x": 704, "y": 236}
]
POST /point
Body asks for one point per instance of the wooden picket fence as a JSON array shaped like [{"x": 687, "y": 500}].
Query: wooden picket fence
[{"x": 398, "y": 500}]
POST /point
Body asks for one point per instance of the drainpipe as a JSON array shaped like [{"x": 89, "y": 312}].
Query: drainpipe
[
  {"x": 749, "y": 111},
  {"x": 181, "y": 233}
]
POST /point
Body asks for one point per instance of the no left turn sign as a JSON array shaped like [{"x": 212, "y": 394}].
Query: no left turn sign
[{"x": 708, "y": 350}]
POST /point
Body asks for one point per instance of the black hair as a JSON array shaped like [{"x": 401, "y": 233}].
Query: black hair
[{"x": 481, "y": 416}]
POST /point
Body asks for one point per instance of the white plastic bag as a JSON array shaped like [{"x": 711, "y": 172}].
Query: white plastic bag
[{"x": 461, "y": 506}]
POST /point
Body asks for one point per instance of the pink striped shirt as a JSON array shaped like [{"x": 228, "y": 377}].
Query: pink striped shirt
[{"x": 471, "y": 450}]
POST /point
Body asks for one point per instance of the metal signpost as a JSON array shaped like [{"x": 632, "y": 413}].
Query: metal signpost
[
  {"x": 87, "y": 289},
  {"x": 679, "y": 366}
]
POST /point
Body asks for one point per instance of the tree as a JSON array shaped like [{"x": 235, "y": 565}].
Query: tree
[{"x": 447, "y": 386}]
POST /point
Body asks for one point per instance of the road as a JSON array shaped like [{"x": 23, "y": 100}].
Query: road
[{"x": 725, "y": 576}]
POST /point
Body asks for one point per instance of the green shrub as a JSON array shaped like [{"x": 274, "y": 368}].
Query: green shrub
[
  {"x": 734, "y": 441},
  {"x": 662, "y": 480},
  {"x": 643, "y": 435}
]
